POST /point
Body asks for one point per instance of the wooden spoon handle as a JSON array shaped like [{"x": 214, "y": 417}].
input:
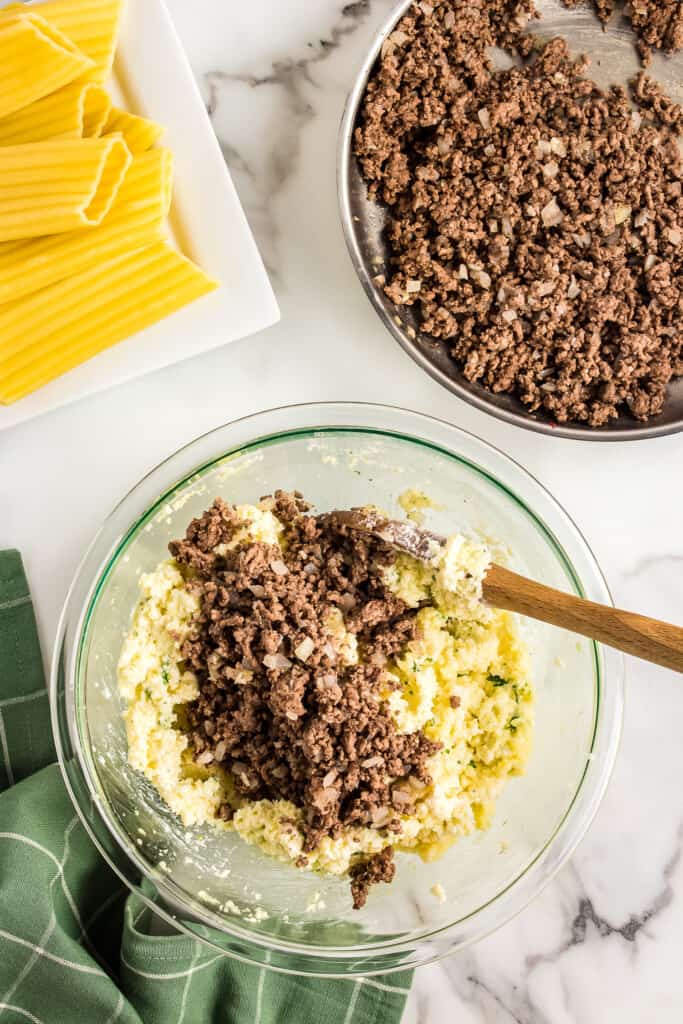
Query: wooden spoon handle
[{"x": 659, "y": 642}]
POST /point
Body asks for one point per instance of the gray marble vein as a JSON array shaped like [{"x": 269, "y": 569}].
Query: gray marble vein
[
  {"x": 631, "y": 928},
  {"x": 291, "y": 85},
  {"x": 667, "y": 563}
]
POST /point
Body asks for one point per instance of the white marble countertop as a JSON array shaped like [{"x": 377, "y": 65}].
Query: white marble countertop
[{"x": 602, "y": 944}]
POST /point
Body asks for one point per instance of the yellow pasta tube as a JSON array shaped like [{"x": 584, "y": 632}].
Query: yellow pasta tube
[
  {"x": 54, "y": 330},
  {"x": 136, "y": 220},
  {"x": 96, "y": 107},
  {"x": 93, "y": 25},
  {"x": 139, "y": 132},
  {"x": 149, "y": 179},
  {"x": 78, "y": 110},
  {"x": 29, "y": 266},
  {"x": 48, "y": 187},
  {"x": 35, "y": 60}
]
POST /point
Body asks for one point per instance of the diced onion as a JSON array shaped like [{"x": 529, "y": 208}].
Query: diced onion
[
  {"x": 484, "y": 118},
  {"x": 480, "y": 277},
  {"x": 276, "y": 661},
  {"x": 372, "y": 762},
  {"x": 551, "y": 214},
  {"x": 305, "y": 649},
  {"x": 380, "y": 816}
]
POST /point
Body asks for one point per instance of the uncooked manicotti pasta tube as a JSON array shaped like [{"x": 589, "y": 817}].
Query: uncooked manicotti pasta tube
[
  {"x": 139, "y": 132},
  {"x": 35, "y": 59},
  {"x": 62, "y": 185},
  {"x": 136, "y": 220},
  {"x": 50, "y": 332},
  {"x": 79, "y": 110},
  {"x": 93, "y": 25}
]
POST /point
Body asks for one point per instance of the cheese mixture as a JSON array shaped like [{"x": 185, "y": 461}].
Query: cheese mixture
[{"x": 464, "y": 680}]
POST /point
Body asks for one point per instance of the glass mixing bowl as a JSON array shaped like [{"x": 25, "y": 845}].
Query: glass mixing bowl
[{"x": 228, "y": 893}]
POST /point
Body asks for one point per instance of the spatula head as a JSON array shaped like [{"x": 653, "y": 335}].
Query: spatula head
[{"x": 401, "y": 535}]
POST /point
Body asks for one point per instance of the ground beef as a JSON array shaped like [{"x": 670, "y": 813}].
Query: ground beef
[
  {"x": 657, "y": 24},
  {"x": 279, "y": 706},
  {"x": 535, "y": 221},
  {"x": 380, "y": 868}
]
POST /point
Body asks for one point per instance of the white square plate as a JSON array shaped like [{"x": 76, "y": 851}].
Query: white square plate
[{"x": 152, "y": 77}]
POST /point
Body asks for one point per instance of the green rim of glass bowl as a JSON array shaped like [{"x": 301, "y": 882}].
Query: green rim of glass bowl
[{"x": 269, "y": 440}]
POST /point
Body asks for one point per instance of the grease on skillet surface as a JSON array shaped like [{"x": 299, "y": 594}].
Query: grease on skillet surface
[{"x": 658, "y": 24}]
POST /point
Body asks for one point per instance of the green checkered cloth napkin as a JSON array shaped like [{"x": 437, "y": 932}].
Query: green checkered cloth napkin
[{"x": 75, "y": 945}]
